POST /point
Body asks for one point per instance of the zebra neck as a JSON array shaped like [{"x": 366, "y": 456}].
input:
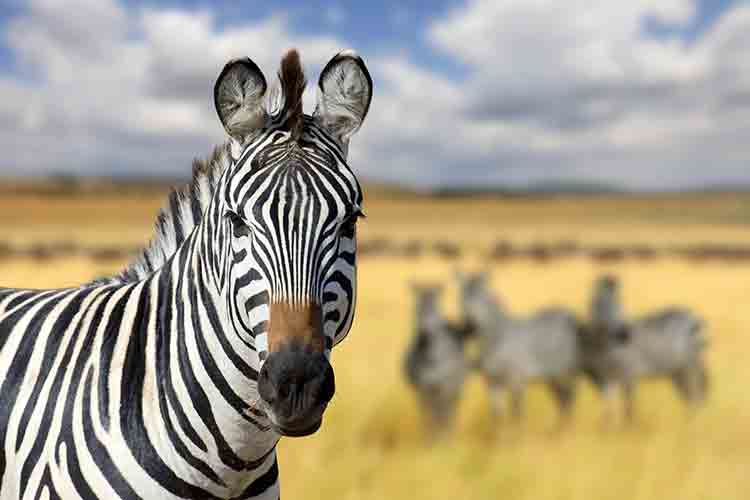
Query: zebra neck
[
  {"x": 208, "y": 374},
  {"x": 431, "y": 320}
]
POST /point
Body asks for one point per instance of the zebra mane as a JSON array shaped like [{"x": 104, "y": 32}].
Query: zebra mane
[
  {"x": 181, "y": 214},
  {"x": 289, "y": 89}
]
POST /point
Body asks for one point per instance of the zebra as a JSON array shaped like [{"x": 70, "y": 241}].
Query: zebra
[
  {"x": 177, "y": 377},
  {"x": 434, "y": 363},
  {"x": 516, "y": 351},
  {"x": 666, "y": 343}
]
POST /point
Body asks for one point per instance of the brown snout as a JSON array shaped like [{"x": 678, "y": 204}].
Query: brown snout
[{"x": 300, "y": 326}]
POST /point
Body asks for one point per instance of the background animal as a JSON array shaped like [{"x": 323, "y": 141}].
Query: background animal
[
  {"x": 434, "y": 362},
  {"x": 619, "y": 352},
  {"x": 515, "y": 351}
]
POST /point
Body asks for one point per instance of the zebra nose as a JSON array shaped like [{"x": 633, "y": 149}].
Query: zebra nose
[{"x": 296, "y": 386}]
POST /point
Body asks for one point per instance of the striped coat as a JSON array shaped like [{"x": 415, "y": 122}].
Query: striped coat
[
  {"x": 177, "y": 378},
  {"x": 435, "y": 364},
  {"x": 620, "y": 351},
  {"x": 514, "y": 352}
]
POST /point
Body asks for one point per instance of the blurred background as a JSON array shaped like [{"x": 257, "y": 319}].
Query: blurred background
[{"x": 547, "y": 142}]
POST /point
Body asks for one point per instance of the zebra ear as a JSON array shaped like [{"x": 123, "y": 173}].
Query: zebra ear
[
  {"x": 238, "y": 97},
  {"x": 344, "y": 95}
]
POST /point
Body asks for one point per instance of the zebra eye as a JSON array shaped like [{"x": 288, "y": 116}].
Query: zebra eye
[
  {"x": 350, "y": 223},
  {"x": 239, "y": 227}
]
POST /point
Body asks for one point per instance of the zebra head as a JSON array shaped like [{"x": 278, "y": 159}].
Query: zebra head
[
  {"x": 606, "y": 307},
  {"x": 427, "y": 300},
  {"x": 291, "y": 204},
  {"x": 480, "y": 309}
]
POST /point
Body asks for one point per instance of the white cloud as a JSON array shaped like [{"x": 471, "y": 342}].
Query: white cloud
[
  {"x": 117, "y": 95},
  {"x": 588, "y": 84},
  {"x": 552, "y": 90}
]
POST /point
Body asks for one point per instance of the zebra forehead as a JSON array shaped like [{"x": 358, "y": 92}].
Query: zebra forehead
[
  {"x": 293, "y": 187},
  {"x": 276, "y": 164},
  {"x": 297, "y": 204},
  {"x": 292, "y": 206}
]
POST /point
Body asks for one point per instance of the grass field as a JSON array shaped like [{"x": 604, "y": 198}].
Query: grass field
[{"x": 371, "y": 445}]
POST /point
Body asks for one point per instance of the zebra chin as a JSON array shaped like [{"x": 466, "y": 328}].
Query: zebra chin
[{"x": 298, "y": 432}]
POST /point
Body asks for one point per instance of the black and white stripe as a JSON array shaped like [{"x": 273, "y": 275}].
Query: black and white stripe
[{"x": 145, "y": 385}]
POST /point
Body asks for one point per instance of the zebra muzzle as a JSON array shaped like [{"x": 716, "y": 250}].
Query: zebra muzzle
[{"x": 295, "y": 387}]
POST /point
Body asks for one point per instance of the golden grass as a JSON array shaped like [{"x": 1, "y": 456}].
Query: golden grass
[{"x": 371, "y": 445}]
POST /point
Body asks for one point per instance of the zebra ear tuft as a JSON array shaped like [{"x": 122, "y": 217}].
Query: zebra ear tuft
[
  {"x": 344, "y": 95},
  {"x": 238, "y": 97}
]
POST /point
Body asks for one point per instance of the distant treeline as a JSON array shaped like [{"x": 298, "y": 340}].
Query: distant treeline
[
  {"x": 71, "y": 186},
  {"x": 54, "y": 250},
  {"x": 548, "y": 251},
  {"x": 502, "y": 250},
  {"x": 64, "y": 184}
]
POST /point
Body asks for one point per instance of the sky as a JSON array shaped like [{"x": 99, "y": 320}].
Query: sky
[{"x": 642, "y": 94}]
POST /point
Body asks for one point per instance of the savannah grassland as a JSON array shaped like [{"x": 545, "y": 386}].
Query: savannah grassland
[{"x": 371, "y": 445}]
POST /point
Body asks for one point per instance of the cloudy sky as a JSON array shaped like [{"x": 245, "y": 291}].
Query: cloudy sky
[{"x": 646, "y": 94}]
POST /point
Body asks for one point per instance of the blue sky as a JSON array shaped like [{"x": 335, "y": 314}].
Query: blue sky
[
  {"x": 645, "y": 94},
  {"x": 708, "y": 11}
]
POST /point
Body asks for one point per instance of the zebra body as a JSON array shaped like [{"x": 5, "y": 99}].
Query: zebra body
[
  {"x": 434, "y": 363},
  {"x": 538, "y": 347},
  {"x": 664, "y": 344},
  {"x": 83, "y": 408},
  {"x": 658, "y": 344},
  {"x": 177, "y": 378},
  {"x": 514, "y": 352}
]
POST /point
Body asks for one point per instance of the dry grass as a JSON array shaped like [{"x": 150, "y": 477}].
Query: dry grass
[{"x": 371, "y": 445}]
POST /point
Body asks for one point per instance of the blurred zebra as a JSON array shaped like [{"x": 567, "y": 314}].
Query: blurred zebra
[
  {"x": 434, "y": 363},
  {"x": 177, "y": 378},
  {"x": 516, "y": 351},
  {"x": 667, "y": 343}
]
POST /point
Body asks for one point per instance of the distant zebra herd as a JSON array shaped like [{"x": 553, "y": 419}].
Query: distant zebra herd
[{"x": 552, "y": 346}]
